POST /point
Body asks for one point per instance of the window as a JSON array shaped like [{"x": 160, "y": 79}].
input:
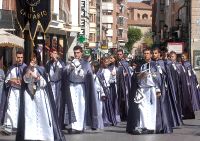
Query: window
[
  {"x": 105, "y": 12},
  {"x": 92, "y": 3},
  {"x": 92, "y": 37},
  {"x": 144, "y": 16},
  {"x": 92, "y": 18},
  {"x": 138, "y": 16},
  {"x": 121, "y": 21}
]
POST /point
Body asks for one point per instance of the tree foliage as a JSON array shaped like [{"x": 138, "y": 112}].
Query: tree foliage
[
  {"x": 148, "y": 40},
  {"x": 134, "y": 35}
]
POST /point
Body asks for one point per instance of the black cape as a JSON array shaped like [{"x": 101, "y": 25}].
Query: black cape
[{"x": 57, "y": 79}]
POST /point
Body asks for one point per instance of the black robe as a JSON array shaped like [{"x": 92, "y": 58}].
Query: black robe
[
  {"x": 164, "y": 117},
  {"x": 57, "y": 80},
  {"x": 58, "y": 135},
  {"x": 171, "y": 91},
  {"x": 193, "y": 85},
  {"x": 123, "y": 87},
  {"x": 133, "y": 111},
  {"x": 181, "y": 88}
]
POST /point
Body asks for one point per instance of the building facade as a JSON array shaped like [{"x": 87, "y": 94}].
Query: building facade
[
  {"x": 93, "y": 25},
  {"x": 56, "y": 35},
  {"x": 122, "y": 22},
  {"x": 178, "y": 21},
  {"x": 195, "y": 35},
  {"x": 114, "y": 23},
  {"x": 171, "y": 21},
  {"x": 140, "y": 16}
]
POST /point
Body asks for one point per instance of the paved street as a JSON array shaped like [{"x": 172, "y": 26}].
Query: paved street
[{"x": 189, "y": 132}]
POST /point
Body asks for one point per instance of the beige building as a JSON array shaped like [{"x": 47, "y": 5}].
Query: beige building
[{"x": 140, "y": 16}]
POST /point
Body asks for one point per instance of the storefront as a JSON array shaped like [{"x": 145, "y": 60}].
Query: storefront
[{"x": 9, "y": 44}]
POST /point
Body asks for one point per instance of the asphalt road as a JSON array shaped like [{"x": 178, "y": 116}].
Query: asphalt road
[{"x": 190, "y": 131}]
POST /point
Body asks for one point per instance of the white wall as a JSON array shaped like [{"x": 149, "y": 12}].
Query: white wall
[
  {"x": 56, "y": 7},
  {"x": 1, "y": 4},
  {"x": 74, "y": 12}
]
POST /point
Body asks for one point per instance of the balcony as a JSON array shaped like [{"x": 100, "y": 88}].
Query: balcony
[
  {"x": 110, "y": 44},
  {"x": 109, "y": 33},
  {"x": 122, "y": 37},
  {"x": 92, "y": 25},
  {"x": 107, "y": 19},
  {"x": 92, "y": 44},
  {"x": 121, "y": 26},
  {"x": 93, "y": 11},
  {"x": 121, "y": 22},
  {"x": 107, "y": 6}
]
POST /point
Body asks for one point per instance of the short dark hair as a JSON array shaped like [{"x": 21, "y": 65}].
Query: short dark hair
[
  {"x": 52, "y": 50},
  {"x": 165, "y": 49},
  {"x": 21, "y": 51},
  {"x": 120, "y": 50},
  {"x": 172, "y": 52},
  {"x": 147, "y": 49},
  {"x": 78, "y": 48},
  {"x": 156, "y": 48}
]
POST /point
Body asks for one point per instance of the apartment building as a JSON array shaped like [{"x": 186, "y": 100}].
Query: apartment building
[
  {"x": 93, "y": 25},
  {"x": 122, "y": 22},
  {"x": 114, "y": 23}
]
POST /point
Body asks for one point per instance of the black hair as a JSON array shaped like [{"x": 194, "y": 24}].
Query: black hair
[
  {"x": 156, "y": 48},
  {"x": 147, "y": 49},
  {"x": 120, "y": 50},
  {"x": 21, "y": 51},
  {"x": 78, "y": 48}
]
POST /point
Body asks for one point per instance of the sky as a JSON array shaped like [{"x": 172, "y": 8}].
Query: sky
[{"x": 134, "y": 0}]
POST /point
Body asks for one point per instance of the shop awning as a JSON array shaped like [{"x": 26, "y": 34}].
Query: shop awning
[{"x": 10, "y": 40}]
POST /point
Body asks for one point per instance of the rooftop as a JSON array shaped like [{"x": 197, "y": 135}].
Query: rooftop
[{"x": 139, "y": 5}]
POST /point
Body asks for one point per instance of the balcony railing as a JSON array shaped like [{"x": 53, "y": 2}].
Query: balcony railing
[
  {"x": 122, "y": 37},
  {"x": 107, "y": 19},
  {"x": 107, "y": 6}
]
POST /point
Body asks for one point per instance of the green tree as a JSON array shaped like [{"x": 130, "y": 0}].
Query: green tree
[
  {"x": 134, "y": 35},
  {"x": 148, "y": 40}
]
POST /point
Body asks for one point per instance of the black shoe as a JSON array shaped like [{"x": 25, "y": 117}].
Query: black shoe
[
  {"x": 146, "y": 131},
  {"x": 5, "y": 132},
  {"x": 72, "y": 131},
  {"x": 69, "y": 131},
  {"x": 135, "y": 132}
]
